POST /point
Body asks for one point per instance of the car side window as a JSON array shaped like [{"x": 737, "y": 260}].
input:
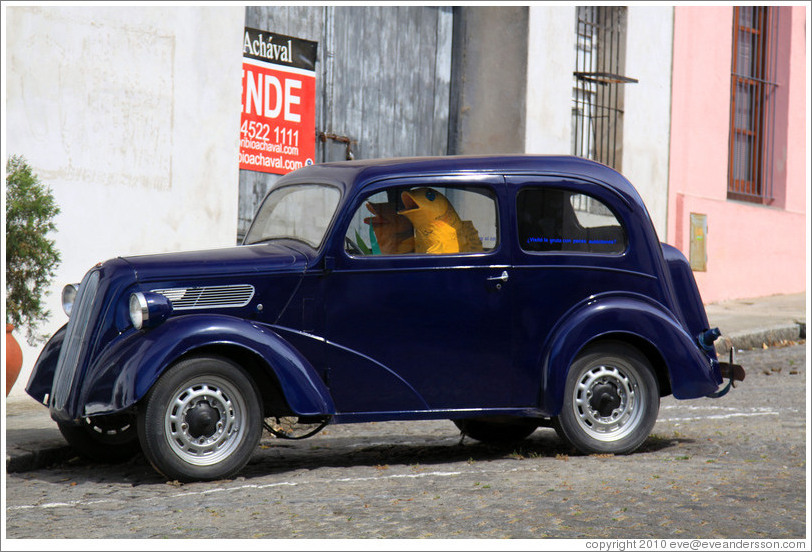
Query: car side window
[
  {"x": 552, "y": 219},
  {"x": 434, "y": 220}
]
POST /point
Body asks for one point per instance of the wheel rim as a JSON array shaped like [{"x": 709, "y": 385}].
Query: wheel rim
[
  {"x": 115, "y": 430},
  {"x": 608, "y": 402},
  {"x": 205, "y": 421}
]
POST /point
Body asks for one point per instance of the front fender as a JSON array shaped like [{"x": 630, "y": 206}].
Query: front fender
[
  {"x": 42, "y": 376},
  {"x": 130, "y": 366},
  {"x": 691, "y": 373}
]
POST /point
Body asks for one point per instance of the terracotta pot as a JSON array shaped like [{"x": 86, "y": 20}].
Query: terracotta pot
[{"x": 14, "y": 358}]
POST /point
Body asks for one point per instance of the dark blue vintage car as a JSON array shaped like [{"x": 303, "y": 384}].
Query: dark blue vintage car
[{"x": 501, "y": 292}]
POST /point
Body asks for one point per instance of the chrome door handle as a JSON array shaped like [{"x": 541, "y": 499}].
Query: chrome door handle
[{"x": 502, "y": 278}]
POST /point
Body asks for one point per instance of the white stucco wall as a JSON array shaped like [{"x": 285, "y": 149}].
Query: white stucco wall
[
  {"x": 647, "y": 104},
  {"x": 550, "y": 62},
  {"x": 131, "y": 115}
]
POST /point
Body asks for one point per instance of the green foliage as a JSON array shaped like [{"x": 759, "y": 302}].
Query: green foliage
[{"x": 31, "y": 258}]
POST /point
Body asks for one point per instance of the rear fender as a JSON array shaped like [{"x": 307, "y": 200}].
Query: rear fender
[
  {"x": 684, "y": 284},
  {"x": 690, "y": 372},
  {"x": 129, "y": 367}
]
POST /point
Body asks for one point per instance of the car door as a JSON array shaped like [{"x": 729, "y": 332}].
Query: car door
[
  {"x": 420, "y": 325},
  {"x": 573, "y": 244}
]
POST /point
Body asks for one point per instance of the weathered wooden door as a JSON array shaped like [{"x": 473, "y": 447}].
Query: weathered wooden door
[{"x": 382, "y": 83}]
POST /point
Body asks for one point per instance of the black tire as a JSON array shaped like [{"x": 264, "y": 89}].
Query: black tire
[
  {"x": 611, "y": 400},
  {"x": 201, "y": 420},
  {"x": 497, "y": 430},
  {"x": 106, "y": 439}
]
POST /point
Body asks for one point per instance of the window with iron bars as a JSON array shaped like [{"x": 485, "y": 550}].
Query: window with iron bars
[
  {"x": 752, "y": 103},
  {"x": 597, "y": 95}
]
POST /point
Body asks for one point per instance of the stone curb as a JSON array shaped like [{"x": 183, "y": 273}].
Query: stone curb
[
  {"x": 37, "y": 459},
  {"x": 757, "y": 339}
]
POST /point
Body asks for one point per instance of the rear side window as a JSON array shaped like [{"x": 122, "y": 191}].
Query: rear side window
[{"x": 550, "y": 219}]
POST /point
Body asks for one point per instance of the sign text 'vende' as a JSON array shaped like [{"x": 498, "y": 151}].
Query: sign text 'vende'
[{"x": 277, "y": 128}]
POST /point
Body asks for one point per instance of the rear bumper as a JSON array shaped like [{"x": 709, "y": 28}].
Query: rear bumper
[{"x": 731, "y": 371}]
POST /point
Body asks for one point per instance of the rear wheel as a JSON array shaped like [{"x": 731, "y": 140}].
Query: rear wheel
[
  {"x": 108, "y": 439},
  {"x": 611, "y": 400},
  {"x": 497, "y": 430},
  {"x": 201, "y": 420}
]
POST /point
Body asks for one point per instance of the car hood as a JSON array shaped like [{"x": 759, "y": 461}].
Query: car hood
[{"x": 248, "y": 259}]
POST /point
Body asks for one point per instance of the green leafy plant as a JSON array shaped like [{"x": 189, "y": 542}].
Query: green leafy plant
[{"x": 31, "y": 258}]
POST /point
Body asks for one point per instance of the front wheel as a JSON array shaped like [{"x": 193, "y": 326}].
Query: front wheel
[
  {"x": 201, "y": 420},
  {"x": 107, "y": 439},
  {"x": 611, "y": 400}
]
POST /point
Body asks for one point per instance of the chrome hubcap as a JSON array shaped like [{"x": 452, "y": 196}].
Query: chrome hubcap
[
  {"x": 204, "y": 421},
  {"x": 607, "y": 403}
]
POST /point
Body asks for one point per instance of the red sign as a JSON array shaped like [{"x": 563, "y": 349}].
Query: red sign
[{"x": 278, "y": 122}]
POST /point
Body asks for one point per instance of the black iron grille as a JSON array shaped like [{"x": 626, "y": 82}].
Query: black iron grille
[{"x": 597, "y": 111}]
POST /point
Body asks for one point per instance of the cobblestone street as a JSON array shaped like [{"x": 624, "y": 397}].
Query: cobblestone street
[{"x": 727, "y": 468}]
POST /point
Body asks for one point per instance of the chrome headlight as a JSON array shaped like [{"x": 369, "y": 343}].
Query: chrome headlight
[
  {"x": 148, "y": 309},
  {"x": 68, "y": 297},
  {"x": 139, "y": 311}
]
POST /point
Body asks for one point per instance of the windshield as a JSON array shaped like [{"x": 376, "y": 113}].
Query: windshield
[{"x": 302, "y": 212}]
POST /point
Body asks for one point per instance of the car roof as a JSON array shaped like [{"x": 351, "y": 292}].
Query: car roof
[{"x": 353, "y": 175}]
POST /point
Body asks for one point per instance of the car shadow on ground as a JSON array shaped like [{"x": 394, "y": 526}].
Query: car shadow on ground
[
  {"x": 280, "y": 456},
  {"x": 277, "y": 457}
]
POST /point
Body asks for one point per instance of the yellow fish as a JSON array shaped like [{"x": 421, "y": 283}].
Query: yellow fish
[{"x": 437, "y": 226}]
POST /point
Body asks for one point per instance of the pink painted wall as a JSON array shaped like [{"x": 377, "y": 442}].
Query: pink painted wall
[{"x": 753, "y": 250}]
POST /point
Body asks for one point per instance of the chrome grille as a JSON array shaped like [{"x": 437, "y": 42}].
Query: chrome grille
[
  {"x": 75, "y": 336},
  {"x": 208, "y": 297}
]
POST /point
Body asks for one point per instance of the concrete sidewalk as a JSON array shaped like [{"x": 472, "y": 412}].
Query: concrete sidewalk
[
  {"x": 749, "y": 323},
  {"x": 33, "y": 440}
]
